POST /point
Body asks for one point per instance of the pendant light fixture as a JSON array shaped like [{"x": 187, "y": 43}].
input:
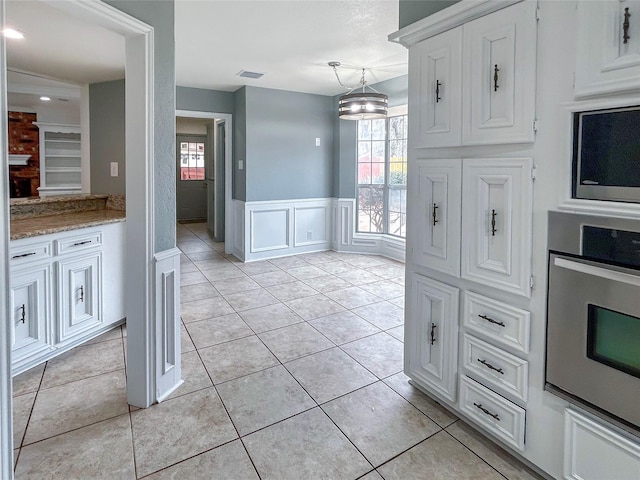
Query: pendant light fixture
[{"x": 360, "y": 105}]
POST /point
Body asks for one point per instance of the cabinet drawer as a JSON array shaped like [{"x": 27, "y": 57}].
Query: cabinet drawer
[
  {"x": 78, "y": 243},
  {"x": 494, "y": 413},
  {"x": 21, "y": 254},
  {"x": 496, "y": 368},
  {"x": 497, "y": 321}
]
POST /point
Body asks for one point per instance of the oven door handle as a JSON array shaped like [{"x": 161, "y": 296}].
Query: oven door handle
[{"x": 597, "y": 271}]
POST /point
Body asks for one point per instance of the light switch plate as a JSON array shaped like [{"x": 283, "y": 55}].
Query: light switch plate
[
  {"x": 317, "y": 141},
  {"x": 114, "y": 169},
  {"x": 240, "y": 164}
]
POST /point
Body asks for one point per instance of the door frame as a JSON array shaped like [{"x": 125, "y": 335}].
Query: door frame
[
  {"x": 200, "y": 137},
  {"x": 228, "y": 172},
  {"x": 139, "y": 292}
]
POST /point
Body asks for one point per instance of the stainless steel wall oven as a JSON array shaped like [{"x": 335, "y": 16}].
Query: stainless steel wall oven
[{"x": 593, "y": 314}]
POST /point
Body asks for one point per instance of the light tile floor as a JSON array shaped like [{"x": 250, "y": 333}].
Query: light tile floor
[{"x": 292, "y": 370}]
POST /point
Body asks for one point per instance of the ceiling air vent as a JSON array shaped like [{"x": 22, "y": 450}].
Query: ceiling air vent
[{"x": 246, "y": 74}]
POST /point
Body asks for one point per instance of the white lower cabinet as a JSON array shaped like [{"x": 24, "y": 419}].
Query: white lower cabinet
[
  {"x": 56, "y": 298},
  {"x": 595, "y": 452},
  {"x": 502, "y": 418},
  {"x": 30, "y": 306},
  {"x": 432, "y": 336}
]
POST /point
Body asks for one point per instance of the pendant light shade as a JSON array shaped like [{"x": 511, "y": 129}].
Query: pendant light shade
[{"x": 362, "y": 106}]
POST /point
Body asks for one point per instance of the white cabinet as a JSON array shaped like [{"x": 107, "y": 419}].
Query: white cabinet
[
  {"x": 608, "y": 47},
  {"x": 499, "y": 84},
  {"x": 497, "y": 222},
  {"x": 435, "y": 212},
  {"x": 60, "y": 159},
  {"x": 475, "y": 84},
  {"x": 30, "y": 306},
  {"x": 432, "y": 336},
  {"x": 79, "y": 283},
  {"x": 595, "y": 452},
  {"x": 435, "y": 86}
]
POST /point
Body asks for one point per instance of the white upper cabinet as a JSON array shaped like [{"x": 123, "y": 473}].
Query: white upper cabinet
[
  {"x": 434, "y": 208},
  {"x": 435, "y": 83},
  {"x": 497, "y": 222},
  {"x": 499, "y": 84},
  {"x": 608, "y": 47},
  {"x": 475, "y": 84}
]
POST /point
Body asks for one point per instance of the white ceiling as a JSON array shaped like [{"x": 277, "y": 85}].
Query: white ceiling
[{"x": 290, "y": 41}]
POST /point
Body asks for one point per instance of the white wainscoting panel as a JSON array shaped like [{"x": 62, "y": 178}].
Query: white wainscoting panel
[
  {"x": 269, "y": 229},
  {"x": 311, "y": 225},
  {"x": 238, "y": 229}
]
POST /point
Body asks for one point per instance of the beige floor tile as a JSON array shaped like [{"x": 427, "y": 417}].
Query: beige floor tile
[
  {"x": 365, "y": 261},
  {"x": 83, "y": 362},
  {"x": 213, "y": 331},
  {"x": 295, "y": 341},
  {"x": 388, "y": 271},
  {"x": 270, "y": 317},
  {"x": 399, "y": 301},
  {"x": 343, "y": 327},
  {"x": 256, "y": 268},
  {"x": 334, "y": 267},
  {"x": 248, "y": 300},
  {"x": 315, "y": 306},
  {"x": 379, "y": 422},
  {"x": 235, "y": 285},
  {"x": 222, "y": 272},
  {"x": 317, "y": 258},
  {"x": 358, "y": 276},
  {"x": 329, "y": 374},
  {"x": 491, "y": 453},
  {"x": 381, "y": 354},
  {"x": 291, "y": 291},
  {"x": 192, "y": 278},
  {"x": 270, "y": 279},
  {"x": 384, "y": 289},
  {"x": 21, "y": 411},
  {"x": 101, "y": 451},
  {"x": 439, "y": 457},
  {"x": 352, "y": 297},
  {"x": 113, "y": 334},
  {"x": 193, "y": 246},
  {"x": 189, "y": 293},
  {"x": 383, "y": 315},
  {"x": 186, "y": 344},
  {"x": 229, "y": 461},
  {"x": 194, "y": 374},
  {"x": 397, "y": 332},
  {"x": 69, "y": 406},
  {"x": 306, "y": 272},
  {"x": 187, "y": 266},
  {"x": 263, "y": 398},
  {"x": 428, "y": 406},
  {"x": 289, "y": 262},
  {"x": 237, "y": 358},
  {"x": 327, "y": 283},
  {"x": 28, "y": 381},
  {"x": 307, "y": 446},
  {"x": 203, "y": 256},
  {"x": 371, "y": 476},
  {"x": 205, "y": 308},
  {"x": 177, "y": 429}
]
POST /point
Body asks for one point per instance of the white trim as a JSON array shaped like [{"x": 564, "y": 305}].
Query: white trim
[
  {"x": 446, "y": 19},
  {"x": 228, "y": 170},
  {"x": 85, "y": 140},
  {"x": 6, "y": 407}
]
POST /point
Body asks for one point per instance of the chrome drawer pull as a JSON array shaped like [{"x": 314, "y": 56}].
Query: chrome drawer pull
[
  {"x": 493, "y": 223},
  {"x": 495, "y": 78},
  {"x": 625, "y": 26},
  {"x": 433, "y": 333},
  {"x": 24, "y": 313},
  {"x": 434, "y": 214},
  {"x": 491, "y": 320},
  {"x": 484, "y": 410},
  {"x": 438, "y": 84},
  {"x": 488, "y": 365},
  {"x": 81, "y": 243},
  {"x": 23, "y": 255},
  {"x": 81, "y": 293}
]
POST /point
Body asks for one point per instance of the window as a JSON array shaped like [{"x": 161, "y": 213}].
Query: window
[
  {"x": 191, "y": 161},
  {"x": 382, "y": 176}
]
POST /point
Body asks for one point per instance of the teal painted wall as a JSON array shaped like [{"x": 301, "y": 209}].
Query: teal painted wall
[
  {"x": 107, "y": 107},
  {"x": 160, "y": 15},
  {"x": 240, "y": 144},
  {"x": 202, "y": 100},
  {"x": 411, "y": 11}
]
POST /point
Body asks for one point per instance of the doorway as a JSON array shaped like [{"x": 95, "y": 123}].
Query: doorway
[{"x": 191, "y": 180}]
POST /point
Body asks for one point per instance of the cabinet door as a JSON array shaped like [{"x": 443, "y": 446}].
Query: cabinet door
[
  {"x": 607, "y": 60},
  {"x": 79, "y": 289},
  {"x": 435, "y": 210},
  {"x": 29, "y": 310},
  {"x": 431, "y": 349},
  {"x": 435, "y": 76},
  {"x": 496, "y": 222},
  {"x": 499, "y": 85}
]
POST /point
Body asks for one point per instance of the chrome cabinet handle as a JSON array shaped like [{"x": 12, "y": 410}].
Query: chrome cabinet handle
[
  {"x": 438, "y": 84},
  {"x": 24, "y": 313},
  {"x": 491, "y": 367},
  {"x": 493, "y": 223},
  {"x": 81, "y": 293},
  {"x": 485, "y": 411},
  {"x": 77, "y": 244},
  {"x": 491, "y": 320},
  {"x": 23, "y": 255},
  {"x": 433, "y": 333},
  {"x": 433, "y": 213},
  {"x": 495, "y": 78},
  {"x": 625, "y": 26}
]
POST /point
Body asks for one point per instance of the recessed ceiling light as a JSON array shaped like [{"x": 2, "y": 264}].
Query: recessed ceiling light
[
  {"x": 45, "y": 98},
  {"x": 12, "y": 33}
]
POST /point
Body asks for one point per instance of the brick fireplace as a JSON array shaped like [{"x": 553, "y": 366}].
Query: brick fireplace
[{"x": 24, "y": 139}]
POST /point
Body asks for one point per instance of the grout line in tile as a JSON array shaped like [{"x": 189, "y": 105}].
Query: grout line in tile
[{"x": 474, "y": 453}]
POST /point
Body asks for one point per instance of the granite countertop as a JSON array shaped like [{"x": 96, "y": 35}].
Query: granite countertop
[
  {"x": 31, "y": 227},
  {"x": 56, "y": 199}
]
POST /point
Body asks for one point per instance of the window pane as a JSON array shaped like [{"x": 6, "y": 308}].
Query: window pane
[
  {"x": 364, "y": 152},
  {"x": 191, "y": 161},
  {"x": 364, "y": 130},
  {"x": 377, "y": 153},
  {"x": 377, "y": 173},
  {"x": 370, "y": 213},
  {"x": 364, "y": 173},
  {"x": 378, "y": 129},
  {"x": 397, "y": 174},
  {"x": 396, "y": 128}
]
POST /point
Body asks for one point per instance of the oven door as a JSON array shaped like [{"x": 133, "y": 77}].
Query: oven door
[{"x": 593, "y": 335}]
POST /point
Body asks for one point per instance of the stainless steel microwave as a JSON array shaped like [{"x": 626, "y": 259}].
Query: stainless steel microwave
[{"x": 606, "y": 155}]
